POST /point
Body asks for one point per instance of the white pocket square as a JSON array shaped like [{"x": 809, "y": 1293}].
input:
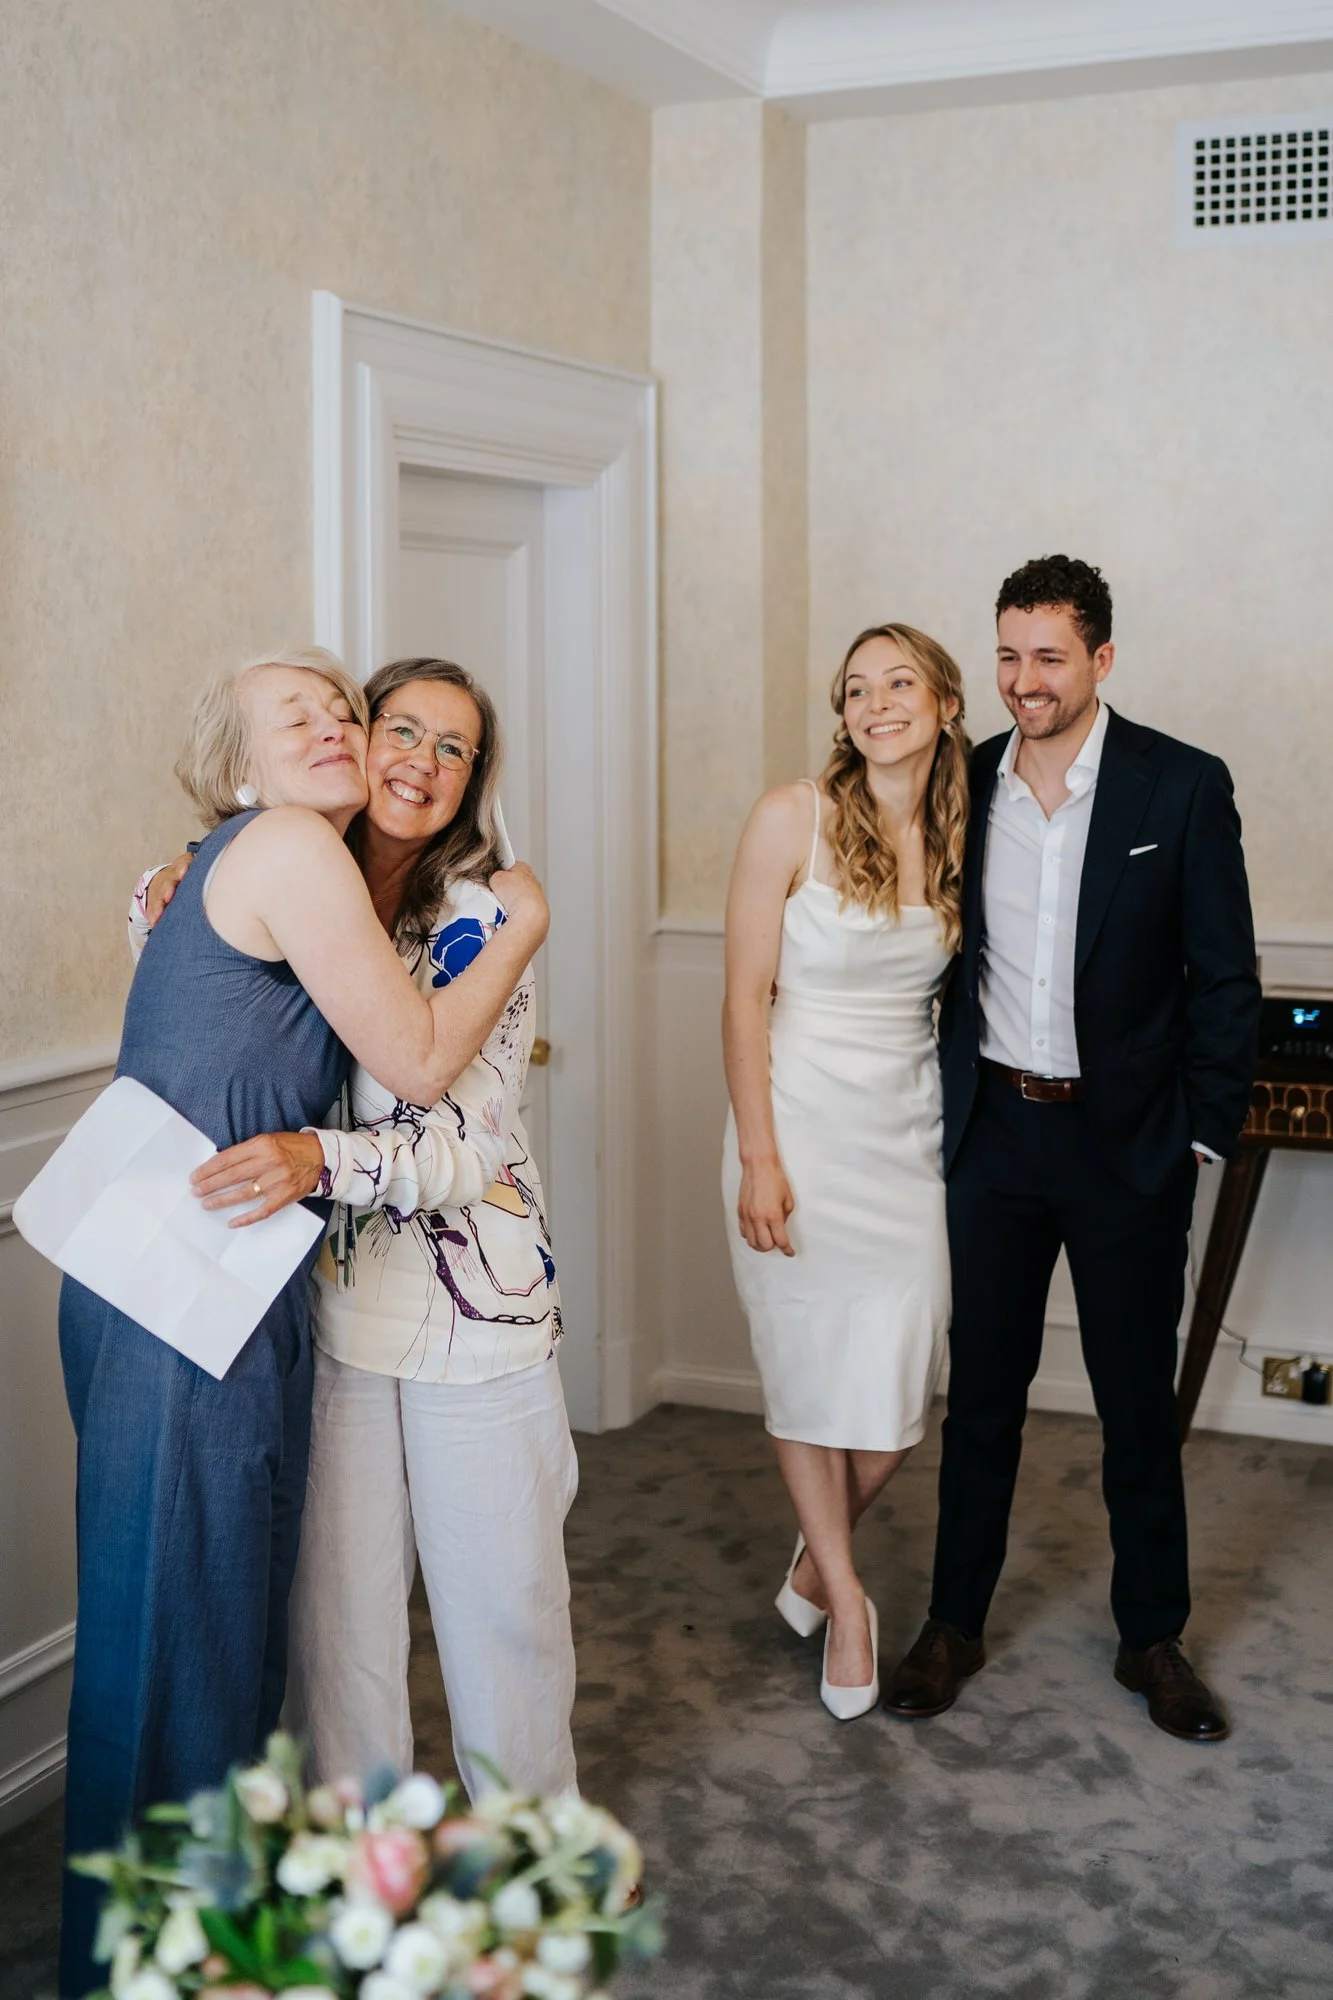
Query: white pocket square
[{"x": 1151, "y": 848}]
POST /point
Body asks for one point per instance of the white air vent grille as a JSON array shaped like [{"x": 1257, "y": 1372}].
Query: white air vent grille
[{"x": 1254, "y": 176}]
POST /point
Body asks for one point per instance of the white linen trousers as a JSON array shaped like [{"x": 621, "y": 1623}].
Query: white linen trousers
[{"x": 476, "y": 1482}]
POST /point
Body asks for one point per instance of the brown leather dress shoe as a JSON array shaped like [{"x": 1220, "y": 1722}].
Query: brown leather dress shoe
[
  {"x": 930, "y": 1676},
  {"x": 1178, "y": 1701}
]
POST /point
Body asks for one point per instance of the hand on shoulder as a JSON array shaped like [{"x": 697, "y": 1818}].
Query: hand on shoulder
[{"x": 523, "y": 900}]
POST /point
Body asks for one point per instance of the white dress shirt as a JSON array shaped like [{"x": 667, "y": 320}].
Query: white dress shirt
[
  {"x": 1030, "y": 891},
  {"x": 1030, "y": 886}
]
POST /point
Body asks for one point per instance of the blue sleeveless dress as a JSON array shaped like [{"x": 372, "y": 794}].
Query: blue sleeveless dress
[{"x": 189, "y": 1490}]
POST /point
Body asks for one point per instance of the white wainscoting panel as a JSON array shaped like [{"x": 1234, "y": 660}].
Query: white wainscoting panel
[
  {"x": 39, "y": 1101},
  {"x": 705, "y": 1344},
  {"x": 1280, "y": 1304}
]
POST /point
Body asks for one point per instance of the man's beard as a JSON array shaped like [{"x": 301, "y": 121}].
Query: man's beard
[{"x": 1037, "y": 724}]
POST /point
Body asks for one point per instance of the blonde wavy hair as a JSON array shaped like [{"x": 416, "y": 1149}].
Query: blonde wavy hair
[
  {"x": 216, "y": 756},
  {"x": 865, "y": 865}
]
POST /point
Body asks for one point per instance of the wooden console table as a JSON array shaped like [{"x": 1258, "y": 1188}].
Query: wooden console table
[{"x": 1286, "y": 1110}]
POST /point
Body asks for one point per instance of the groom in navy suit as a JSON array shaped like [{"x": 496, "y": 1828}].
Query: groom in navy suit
[{"x": 1097, "y": 1042}]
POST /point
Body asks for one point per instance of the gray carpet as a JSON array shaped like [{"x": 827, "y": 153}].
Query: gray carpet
[{"x": 1041, "y": 1841}]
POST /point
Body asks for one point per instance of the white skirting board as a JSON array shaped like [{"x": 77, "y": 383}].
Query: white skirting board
[
  {"x": 34, "y": 1697},
  {"x": 1229, "y": 1402}
]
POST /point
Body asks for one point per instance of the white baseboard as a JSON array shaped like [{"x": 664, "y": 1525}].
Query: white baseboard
[
  {"x": 712, "y": 1388},
  {"x": 35, "y": 1662},
  {"x": 37, "y": 1774},
  {"x": 32, "y": 1784},
  {"x": 1054, "y": 1389}
]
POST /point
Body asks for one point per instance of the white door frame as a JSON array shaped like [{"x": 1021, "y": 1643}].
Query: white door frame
[{"x": 390, "y": 393}]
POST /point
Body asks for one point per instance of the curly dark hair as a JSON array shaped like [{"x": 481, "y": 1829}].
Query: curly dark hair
[{"x": 1065, "y": 582}]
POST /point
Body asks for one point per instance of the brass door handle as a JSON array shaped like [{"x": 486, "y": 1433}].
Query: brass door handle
[{"x": 541, "y": 1053}]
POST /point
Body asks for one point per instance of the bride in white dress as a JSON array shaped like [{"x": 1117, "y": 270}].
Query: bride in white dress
[{"x": 842, "y": 917}]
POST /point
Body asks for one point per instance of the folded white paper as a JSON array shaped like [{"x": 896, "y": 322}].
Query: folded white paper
[{"x": 113, "y": 1208}]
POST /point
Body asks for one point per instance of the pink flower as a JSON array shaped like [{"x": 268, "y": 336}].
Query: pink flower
[
  {"x": 493, "y": 1979},
  {"x": 451, "y": 1836},
  {"x": 393, "y": 1866}
]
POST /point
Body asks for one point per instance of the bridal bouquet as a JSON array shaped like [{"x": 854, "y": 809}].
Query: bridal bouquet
[{"x": 393, "y": 1891}]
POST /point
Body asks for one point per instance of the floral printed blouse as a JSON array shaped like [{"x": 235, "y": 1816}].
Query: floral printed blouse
[{"x": 438, "y": 1262}]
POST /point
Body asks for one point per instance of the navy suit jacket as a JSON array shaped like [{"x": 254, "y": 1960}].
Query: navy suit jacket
[{"x": 1166, "y": 996}]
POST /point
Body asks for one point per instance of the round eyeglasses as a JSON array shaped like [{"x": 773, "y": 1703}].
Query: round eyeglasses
[{"x": 452, "y": 753}]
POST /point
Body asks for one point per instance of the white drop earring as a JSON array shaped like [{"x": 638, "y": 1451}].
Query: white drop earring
[{"x": 246, "y": 796}]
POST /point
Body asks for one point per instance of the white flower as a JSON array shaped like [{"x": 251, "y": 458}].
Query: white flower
[
  {"x": 458, "y": 1926},
  {"x": 360, "y": 1934},
  {"x": 381, "y": 1986},
  {"x": 494, "y": 1808},
  {"x": 535, "y": 1830},
  {"x": 517, "y": 1907},
  {"x": 125, "y": 1963},
  {"x": 418, "y": 1958},
  {"x": 324, "y": 1806},
  {"x": 564, "y": 1951},
  {"x": 311, "y": 1862},
  {"x": 574, "y": 1820},
  {"x": 150, "y": 1984},
  {"x": 544, "y": 1985},
  {"x": 262, "y": 1793},
  {"x": 417, "y": 1802},
  {"x": 181, "y": 1942},
  {"x": 587, "y": 1827}
]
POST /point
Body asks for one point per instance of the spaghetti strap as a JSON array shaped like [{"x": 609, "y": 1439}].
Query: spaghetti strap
[{"x": 814, "y": 844}]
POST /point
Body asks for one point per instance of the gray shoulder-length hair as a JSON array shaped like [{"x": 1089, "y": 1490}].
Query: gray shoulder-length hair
[
  {"x": 215, "y": 761},
  {"x": 469, "y": 848}
]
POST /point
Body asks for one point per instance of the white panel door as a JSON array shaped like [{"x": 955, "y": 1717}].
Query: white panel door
[{"x": 472, "y": 588}]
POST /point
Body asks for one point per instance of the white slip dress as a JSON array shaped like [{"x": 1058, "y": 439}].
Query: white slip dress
[{"x": 849, "y": 1334}]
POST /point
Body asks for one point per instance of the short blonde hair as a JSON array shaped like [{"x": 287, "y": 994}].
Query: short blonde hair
[{"x": 215, "y": 760}]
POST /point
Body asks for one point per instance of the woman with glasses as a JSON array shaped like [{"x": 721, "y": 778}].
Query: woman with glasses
[
  {"x": 439, "y": 1426},
  {"x": 270, "y": 967}
]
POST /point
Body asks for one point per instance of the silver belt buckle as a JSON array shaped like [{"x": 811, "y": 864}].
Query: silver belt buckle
[{"x": 1026, "y": 1077}]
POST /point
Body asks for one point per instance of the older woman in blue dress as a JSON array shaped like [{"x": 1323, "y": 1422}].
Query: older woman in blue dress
[
  {"x": 270, "y": 965},
  {"x": 440, "y": 1430}
]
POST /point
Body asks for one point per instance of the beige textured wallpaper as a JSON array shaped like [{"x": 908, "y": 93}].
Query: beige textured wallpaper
[
  {"x": 729, "y": 349},
  {"x": 175, "y": 180},
  {"x": 1009, "y": 355}
]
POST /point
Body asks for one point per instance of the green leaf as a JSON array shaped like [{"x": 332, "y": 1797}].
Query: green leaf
[
  {"x": 266, "y": 1939},
  {"x": 114, "y": 1922},
  {"x": 493, "y": 1771},
  {"x": 605, "y": 1952},
  {"x": 299, "y": 1972},
  {"x": 226, "y": 1937},
  {"x": 101, "y": 1867}
]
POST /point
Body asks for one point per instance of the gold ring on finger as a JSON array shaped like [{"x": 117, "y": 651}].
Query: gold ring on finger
[{"x": 258, "y": 1190}]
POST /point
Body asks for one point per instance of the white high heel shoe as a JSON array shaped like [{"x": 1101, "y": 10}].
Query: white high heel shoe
[
  {"x": 845, "y": 1704},
  {"x": 804, "y": 1617}
]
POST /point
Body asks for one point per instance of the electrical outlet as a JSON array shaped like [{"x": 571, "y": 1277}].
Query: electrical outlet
[
  {"x": 1318, "y": 1382},
  {"x": 1284, "y": 1376}
]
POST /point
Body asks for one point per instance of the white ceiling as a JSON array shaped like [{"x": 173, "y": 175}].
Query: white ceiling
[{"x": 844, "y": 58}]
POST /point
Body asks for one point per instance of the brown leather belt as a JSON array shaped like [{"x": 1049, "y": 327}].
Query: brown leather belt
[{"x": 1038, "y": 1089}]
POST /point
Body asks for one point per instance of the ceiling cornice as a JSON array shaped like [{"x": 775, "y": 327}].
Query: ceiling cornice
[
  {"x": 733, "y": 40},
  {"x": 851, "y": 48},
  {"x": 848, "y": 58}
]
